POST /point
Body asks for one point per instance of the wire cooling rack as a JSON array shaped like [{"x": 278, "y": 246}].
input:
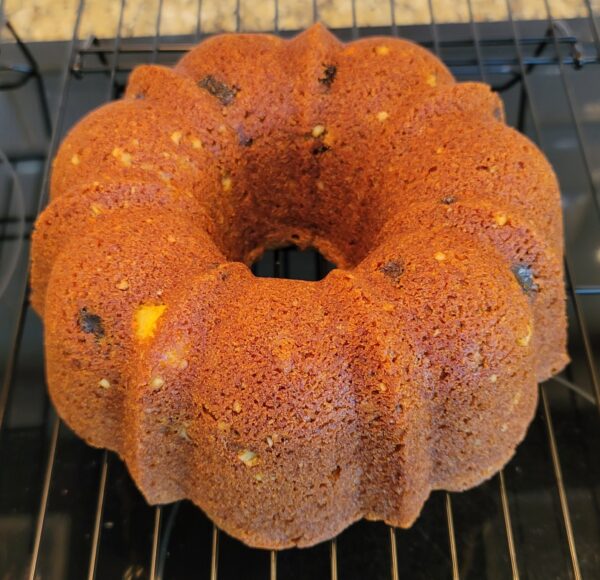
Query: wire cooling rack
[{"x": 69, "y": 511}]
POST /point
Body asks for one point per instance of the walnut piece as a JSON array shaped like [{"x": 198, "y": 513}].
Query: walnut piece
[
  {"x": 104, "y": 384},
  {"x": 248, "y": 458},
  {"x": 226, "y": 183},
  {"x": 318, "y": 130},
  {"x": 501, "y": 219},
  {"x": 526, "y": 339},
  {"x": 157, "y": 383}
]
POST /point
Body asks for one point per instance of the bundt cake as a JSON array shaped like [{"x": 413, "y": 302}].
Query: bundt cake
[{"x": 288, "y": 409}]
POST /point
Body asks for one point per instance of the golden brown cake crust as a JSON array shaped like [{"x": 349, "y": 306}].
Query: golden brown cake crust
[{"x": 286, "y": 409}]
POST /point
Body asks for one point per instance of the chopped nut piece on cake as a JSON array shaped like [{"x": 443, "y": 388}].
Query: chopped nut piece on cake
[
  {"x": 249, "y": 458},
  {"x": 525, "y": 340},
  {"x": 501, "y": 219},
  {"x": 104, "y": 383},
  {"x": 431, "y": 80},
  {"x": 318, "y": 130},
  {"x": 157, "y": 383},
  {"x": 226, "y": 183},
  {"x": 123, "y": 156}
]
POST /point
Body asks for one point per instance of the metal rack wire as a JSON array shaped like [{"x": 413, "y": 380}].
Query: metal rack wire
[
  {"x": 16, "y": 75},
  {"x": 516, "y": 57}
]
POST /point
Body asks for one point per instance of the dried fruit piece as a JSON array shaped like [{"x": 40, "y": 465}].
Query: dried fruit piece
[
  {"x": 320, "y": 148},
  {"x": 382, "y": 116},
  {"x": 219, "y": 89},
  {"x": 439, "y": 256},
  {"x": 146, "y": 318},
  {"x": 525, "y": 277},
  {"x": 122, "y": 285},
  {"x": 246, "y": 141},
  {"x": 329, "y": 73},
  {"x": 382, "y": 50},
  {"x": 392, "y": 269},
  {"x": 90, "y": 323}
]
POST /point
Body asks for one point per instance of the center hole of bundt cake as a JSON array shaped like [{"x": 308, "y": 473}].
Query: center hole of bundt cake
[
  {"x": 292, "y": 262},
  {"x": 274, "y": 219}
]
